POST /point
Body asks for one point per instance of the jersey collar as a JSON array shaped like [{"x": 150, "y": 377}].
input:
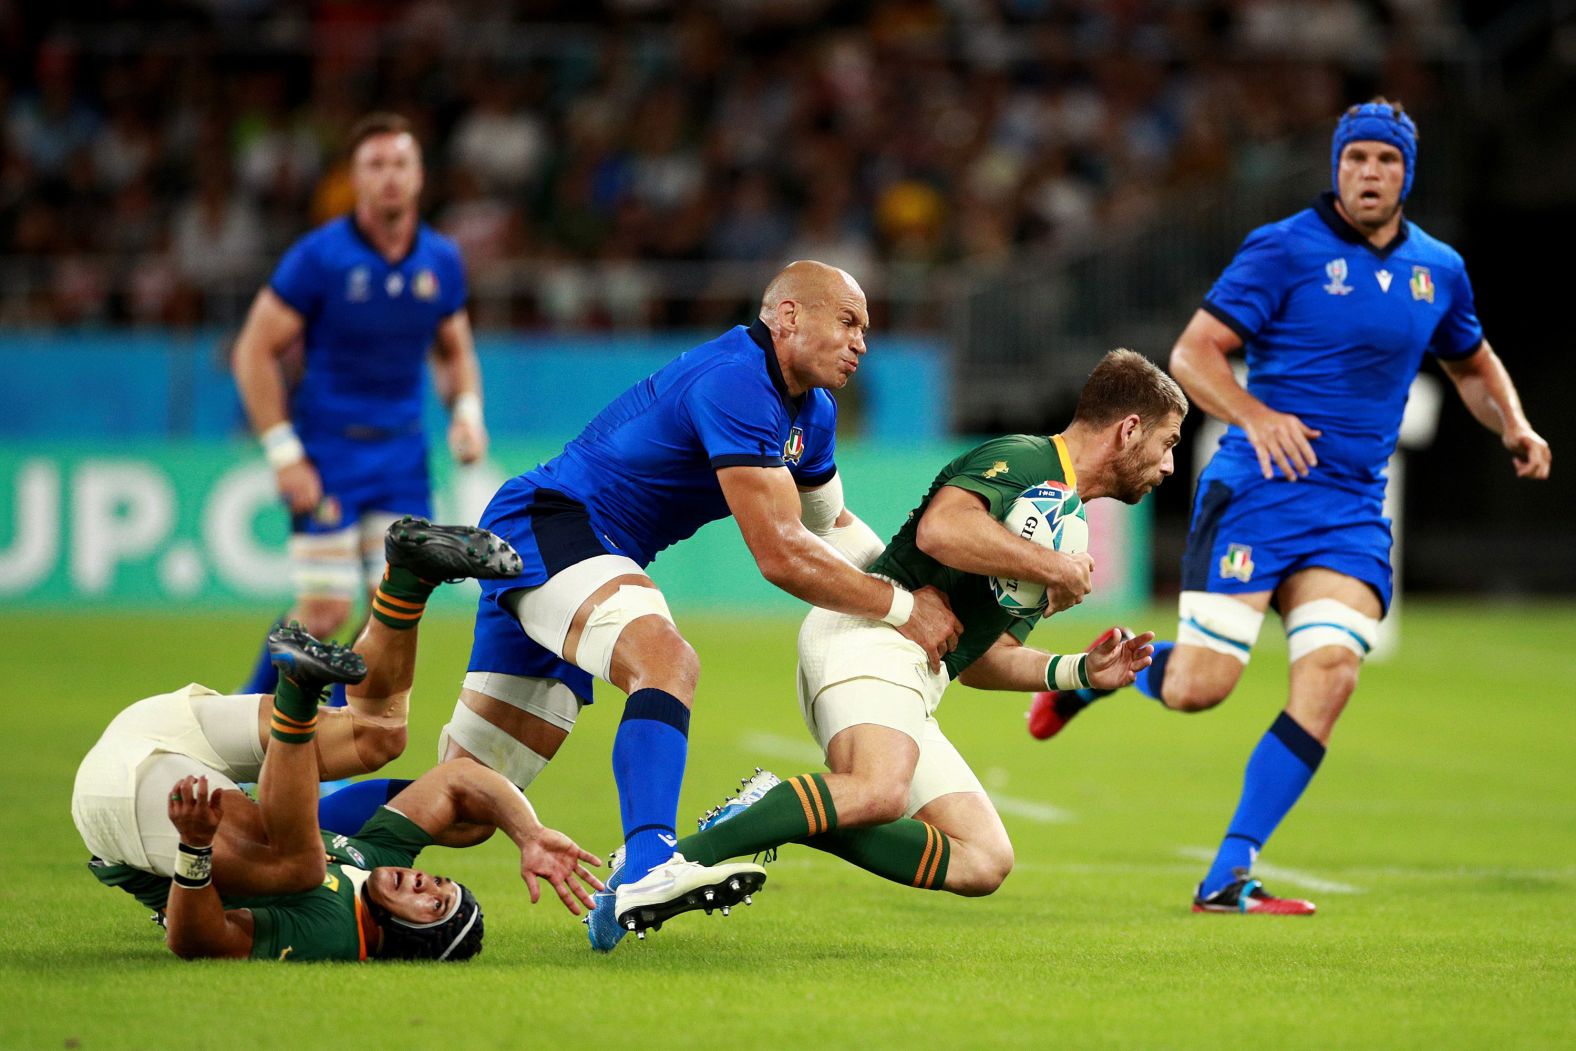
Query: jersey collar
[
  {"x": 763, "y": 339},
  {"x": 361, "y": 235},
  {"x": 1069, "y": 472},
  {"x": 1324, "y": 207}
]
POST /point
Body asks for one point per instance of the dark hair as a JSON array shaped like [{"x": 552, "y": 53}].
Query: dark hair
[
  {"x": 1396, "y": 109},
  {"x": 1126, "y": 382},
  {"x": 377, "y": 124}
]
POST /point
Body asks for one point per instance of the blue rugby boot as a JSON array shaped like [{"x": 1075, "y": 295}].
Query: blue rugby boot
[
  {"x": 751, "y": 789},
  {"x": 601, "y": 922}
]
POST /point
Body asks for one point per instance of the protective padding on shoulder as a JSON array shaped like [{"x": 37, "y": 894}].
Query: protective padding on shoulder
[
  {"x": 1218, "y": 622},
  {"x": 1328, "y": 622},
  {"x": 819, "y": 507},
  {"x": 490, "y": 746},
  {"x": 609, "y": 619},
  {"x": 325, "y": 565}
]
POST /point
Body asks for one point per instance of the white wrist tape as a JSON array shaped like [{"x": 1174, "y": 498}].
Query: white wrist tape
[
  {"x": 1067, "y": 672},
  {"x": 193, "y": 866},
  {"x": 281, "y": 445},
  {"x": 467, "y": 406},
  {"x": 902, "y": 607}
]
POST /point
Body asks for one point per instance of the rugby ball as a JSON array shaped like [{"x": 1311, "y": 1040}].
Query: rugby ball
[{"x": 1049, "y": 514}]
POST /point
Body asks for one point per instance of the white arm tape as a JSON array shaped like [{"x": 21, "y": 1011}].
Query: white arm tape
[
  {"x": 281, "y": 446},
  {"x": 902, "y": 607},
  {"x": 819, "y": 508},
  {"x": 856, "y": 542},
  {"x": 467, "y": 406}
]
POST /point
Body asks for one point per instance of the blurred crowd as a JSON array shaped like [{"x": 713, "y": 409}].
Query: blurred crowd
[{"x": 587, "y": 157}]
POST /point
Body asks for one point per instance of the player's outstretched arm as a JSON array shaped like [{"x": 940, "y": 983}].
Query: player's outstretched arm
[
  {"x": 765, "y": 503},
  {"x": 460, "y": 802},
  {"x": 1113, "y": 663},
  {"x": 1490, "y": 395},
  {"x": 196, "y": 923},
  {"x": 272, "y": 328},
  {"x": 1199, "y": 362},
  {"x": 458, "y": 378},
  {"x": 958, "y": 530}
]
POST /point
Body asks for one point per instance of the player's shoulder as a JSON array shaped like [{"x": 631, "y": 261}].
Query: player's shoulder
[
  {"x": 1025, "y": 457},
  {"x": 439, "y": 244},
  {"x": 1424, "y": 248},
  {"x": 731, "y": 358},
  {"x": 331, "y": 235}
]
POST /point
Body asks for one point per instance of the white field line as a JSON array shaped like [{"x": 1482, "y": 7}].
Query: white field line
[
  {"x": 797, "y": 751},
  {"x": 1277, "y": 872}
]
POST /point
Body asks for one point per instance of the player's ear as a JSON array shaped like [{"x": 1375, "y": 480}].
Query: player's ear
[
  {"x": 1128, "y": 429},
  {"x": 788, "y": 315}
]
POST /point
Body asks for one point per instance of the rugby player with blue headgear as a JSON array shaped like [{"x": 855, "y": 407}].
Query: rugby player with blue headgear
[{"x": 1336, "y": 307}]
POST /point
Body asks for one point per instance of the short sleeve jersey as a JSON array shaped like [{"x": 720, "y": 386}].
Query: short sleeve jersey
[
  {"x": 646, "y": 466},
  {"x": 324, "y": 923},
  {"x": 998, "y": 472},
  {"x": 1335, "y": 330},
  {"x": 369, "y": 325}
]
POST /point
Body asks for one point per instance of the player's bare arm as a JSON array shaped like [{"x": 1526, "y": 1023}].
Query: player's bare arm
[
  {"x": 765, "y": 503},
  {"x": 460, "y": 802},
  {"x": 458, "y": 377},
  {"x": 1490, "y": 395},
  {"x": 272, "y": 328},
  {"x": 196, "y": 922},
  {"x": 1113, "y": 662},
  {"x": 958, "y": 530},
  {"x": 1199, "y": 363}
]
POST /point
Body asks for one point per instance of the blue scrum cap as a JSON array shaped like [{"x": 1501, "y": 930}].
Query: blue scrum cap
[{"x": 1375, "y": 122}]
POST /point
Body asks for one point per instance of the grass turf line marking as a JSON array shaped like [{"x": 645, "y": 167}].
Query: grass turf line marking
[
  {"x": 1276, "y": 872},
  {"x": 797, "y": 751}
]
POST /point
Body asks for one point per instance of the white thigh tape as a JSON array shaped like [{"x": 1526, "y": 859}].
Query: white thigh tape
[
  {"x": 1218, "y": 622},
  {"x": 546, "y": 612},
  {"x": 609, "y": 619},
  {"x": 547, "y": 699},
  {"x": 325, "y": 565},
  {"x": 1328, "y": 622},
  {"x": 491, "y": 746}
]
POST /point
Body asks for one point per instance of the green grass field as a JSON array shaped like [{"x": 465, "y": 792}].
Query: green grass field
[{"x": 1439, "y": 840}]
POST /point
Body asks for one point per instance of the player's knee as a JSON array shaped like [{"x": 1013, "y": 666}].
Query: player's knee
[
  {"x": 1336, "y": 671},
  {"x": 664, "y": 660},
  {"x": 988, "y": 869},
  {"x": 885, "y": 801},
  {"x": 1194, "y": 693},
  {"x": 377, "y": 746},
  {"x": 323, "y": 617}
]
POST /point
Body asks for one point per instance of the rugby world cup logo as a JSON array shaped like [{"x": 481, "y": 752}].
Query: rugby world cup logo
[{"x": 1335, "y": 270}]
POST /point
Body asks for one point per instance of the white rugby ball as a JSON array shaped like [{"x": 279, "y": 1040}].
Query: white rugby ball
[{"x": 1049, "y": 514}]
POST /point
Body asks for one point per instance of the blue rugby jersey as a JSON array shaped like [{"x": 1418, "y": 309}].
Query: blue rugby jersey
[
  {"x": 646, "y": 466},
  {"x": 1335, "y": 330},
  {"x": 369, "y": 325}
]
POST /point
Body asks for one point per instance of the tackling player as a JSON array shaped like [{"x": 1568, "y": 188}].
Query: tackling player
[
  {"x": 1336, "y": 307},
  {"x": 739, "y": 426},
  {"x": 367, "y": 297},
  {"x": 899, "y": 800}
]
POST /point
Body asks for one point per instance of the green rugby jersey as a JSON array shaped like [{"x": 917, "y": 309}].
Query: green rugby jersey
[
  {"x": 999, "y": 471},
  {"x": 324, "y": 923}
]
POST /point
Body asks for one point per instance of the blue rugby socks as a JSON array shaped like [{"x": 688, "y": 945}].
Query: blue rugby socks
[
  {"x": 346, "y": 810},
  {"x": 649, "y": 754},
  {"x": 1153, "y": 677},
  {"x": 1278, "y": 771},
  {"x": 264, "y": 675}
]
